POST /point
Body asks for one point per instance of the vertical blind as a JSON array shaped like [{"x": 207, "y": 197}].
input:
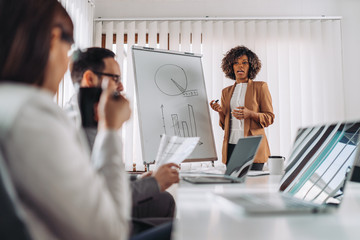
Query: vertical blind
[
  {"x": 301, "y": 62},
  {"x": 82, "y": 15}
]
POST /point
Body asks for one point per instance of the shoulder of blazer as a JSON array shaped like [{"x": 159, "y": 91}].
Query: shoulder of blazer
[{"x": 257, "y": 85}]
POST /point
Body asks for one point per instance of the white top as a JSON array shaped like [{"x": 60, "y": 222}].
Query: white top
[
  {"x": 65, "y": 194},
  {"x": 237, "y": 100}
]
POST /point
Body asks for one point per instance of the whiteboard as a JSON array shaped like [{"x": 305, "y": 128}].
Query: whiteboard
[{"x": 171, "y": 99}]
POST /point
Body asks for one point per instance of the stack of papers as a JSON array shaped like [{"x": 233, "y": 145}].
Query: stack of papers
[{"x": 174, "y": 149}]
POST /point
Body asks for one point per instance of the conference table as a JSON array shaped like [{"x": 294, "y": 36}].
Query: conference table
[{"x": 201, "y": 216}]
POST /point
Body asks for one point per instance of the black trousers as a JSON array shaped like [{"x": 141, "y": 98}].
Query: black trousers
[
  {"x": 161, "y": 232},
  {"x": 161, "y": 206},
  {"x": 153, "y": 213}
]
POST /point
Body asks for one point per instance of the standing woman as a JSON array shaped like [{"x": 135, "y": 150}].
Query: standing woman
[{"x": 246, "y": 107}]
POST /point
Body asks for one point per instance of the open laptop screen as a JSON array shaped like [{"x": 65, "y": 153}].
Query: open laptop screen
[
  {"x": 355, "y": 173},
  {"x": 243, "y": 156},
  {"x": 319, "y": 161}
]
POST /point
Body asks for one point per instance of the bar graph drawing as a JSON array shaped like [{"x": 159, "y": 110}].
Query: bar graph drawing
[{"x": 182, "y": 127}]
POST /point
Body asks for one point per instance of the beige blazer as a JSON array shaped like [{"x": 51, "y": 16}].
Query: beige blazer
[{"x": 258, "y": 99}]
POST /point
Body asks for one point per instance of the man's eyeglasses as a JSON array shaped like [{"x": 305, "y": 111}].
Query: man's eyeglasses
[{"x": 116, "y": 78}]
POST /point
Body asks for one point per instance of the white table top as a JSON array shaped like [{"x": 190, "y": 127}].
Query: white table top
[{"x": 200, "y": 216}]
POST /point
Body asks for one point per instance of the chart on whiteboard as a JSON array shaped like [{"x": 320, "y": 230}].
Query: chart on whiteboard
[
  {"x": 181, "y": 127},
  {"x": 172, "y": 100},
  {"x": 171, "y": 80}
]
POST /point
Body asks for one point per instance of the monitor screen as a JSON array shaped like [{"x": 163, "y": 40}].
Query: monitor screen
[
  {"x": 320, "y": 160},
  {"x": 243, "y": 156},
  {"x": 355, "y": 173}
]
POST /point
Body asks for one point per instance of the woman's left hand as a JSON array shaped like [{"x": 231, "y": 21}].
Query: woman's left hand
[{"x": 242, "y": 113}]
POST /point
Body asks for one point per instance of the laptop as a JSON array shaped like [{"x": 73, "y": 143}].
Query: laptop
[
  {"x": 238, "y": 166},
  {"x": 355, "y": 171},
  {"x": 314, "y": 181}
]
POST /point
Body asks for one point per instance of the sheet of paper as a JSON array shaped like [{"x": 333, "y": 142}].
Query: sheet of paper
[
  {"x": 257, "y": 173},
  {"x": 174, "y": 149}
]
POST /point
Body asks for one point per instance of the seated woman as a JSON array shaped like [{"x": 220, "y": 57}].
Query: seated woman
[{"x": 65, "y": 193}]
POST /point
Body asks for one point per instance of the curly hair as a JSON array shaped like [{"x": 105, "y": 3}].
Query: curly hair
[{"x": 233, "y": 54}]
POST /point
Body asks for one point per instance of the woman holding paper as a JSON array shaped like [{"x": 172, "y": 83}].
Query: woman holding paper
[{"x": 246, "y": 107}]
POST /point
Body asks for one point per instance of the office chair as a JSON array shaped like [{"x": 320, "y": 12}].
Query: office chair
[{"x": 11, "y": 224}]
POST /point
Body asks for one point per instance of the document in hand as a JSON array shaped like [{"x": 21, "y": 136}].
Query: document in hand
[{"x": 174, "y": 149}]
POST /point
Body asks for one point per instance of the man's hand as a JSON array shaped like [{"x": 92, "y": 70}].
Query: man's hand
[
  {"x": 113, "y": 112},
  {"x": 166, "y": 175}
]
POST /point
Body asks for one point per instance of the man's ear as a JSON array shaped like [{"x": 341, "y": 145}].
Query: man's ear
[{"x": 89, "y": 79}]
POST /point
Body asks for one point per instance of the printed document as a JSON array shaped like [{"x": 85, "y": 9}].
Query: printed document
[{"x": 174, "y": 149}]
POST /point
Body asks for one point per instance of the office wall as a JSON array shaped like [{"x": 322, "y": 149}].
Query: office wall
[{"x": 348, "y": 9}]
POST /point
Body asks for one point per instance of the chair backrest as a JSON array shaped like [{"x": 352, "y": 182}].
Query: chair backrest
[{"x": 12, "y": 225}]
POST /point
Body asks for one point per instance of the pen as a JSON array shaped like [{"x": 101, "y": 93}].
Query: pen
[{"x": 216, "y": 100}]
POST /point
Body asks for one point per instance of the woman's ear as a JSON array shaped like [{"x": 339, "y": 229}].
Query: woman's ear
[
  {"x": 89, "y": 79},
  {"x": 55, "y": 36}
]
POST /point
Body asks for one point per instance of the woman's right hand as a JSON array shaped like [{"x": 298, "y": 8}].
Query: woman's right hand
[
  {"x": 215, "y": 106},
  {"x": 113, "y": 110}
]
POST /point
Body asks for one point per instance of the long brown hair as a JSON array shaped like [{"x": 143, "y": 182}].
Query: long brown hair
[{"x": 25, "y": 34}]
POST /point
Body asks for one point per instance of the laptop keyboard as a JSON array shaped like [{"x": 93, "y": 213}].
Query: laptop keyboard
[
  {"x": 212, "y": 179},
  {"x": 268, "y": 200}
]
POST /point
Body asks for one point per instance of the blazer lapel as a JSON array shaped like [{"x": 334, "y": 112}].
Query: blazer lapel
[
  {"x": 228, "y": 98},
  {"x": 248, "y": 102}
]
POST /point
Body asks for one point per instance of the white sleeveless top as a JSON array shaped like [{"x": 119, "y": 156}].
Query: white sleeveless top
[{"x": 237, "y": 100}]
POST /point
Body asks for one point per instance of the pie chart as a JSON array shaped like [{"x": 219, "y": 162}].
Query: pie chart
[{"x": 171, "y": 79}]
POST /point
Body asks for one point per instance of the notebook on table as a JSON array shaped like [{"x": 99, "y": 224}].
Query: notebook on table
[
  {"x": 238, "y": 166},
  {"x": 314, "y": 181}
]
